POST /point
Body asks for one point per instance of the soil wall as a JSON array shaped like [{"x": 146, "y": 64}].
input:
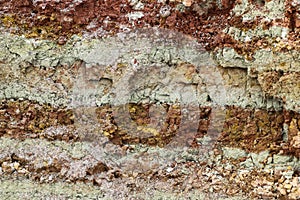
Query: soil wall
[{"x": 117, "y": 99}]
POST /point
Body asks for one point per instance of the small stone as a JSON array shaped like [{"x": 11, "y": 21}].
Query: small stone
[
  {"x": 296, "y": 141},
  {"x": 169, "y": 169},
  {"x": 297, "y": 23},
  {"x": 138, "y": 6},
  {"x": 254, "y": 183},
  {"x": 288, "y": 174},
  {"x": 281, "y": 180},
  {"x": 258, "y": 159},
  {"x": 165, "y": 11},
  {"x": 187, "y": 3},
  {"x": 133, "y": 2},
  {"x": 282, "y": 191},
  {"x": 199, "y": 173},
  {"x": 295, "y": 194},
  {"x": 277, "y": 159},
  {"x": 287, "y": 186},
  {"x": 233, "y": 153},
  {"x": 22, "y": 171},
  {"x": 6, "y": 167},
  {"x": 135, "y": 174},
  {"x": 16, "y": 165},
  {"x": 61, "y": 40},
  {"x": 260, "y": 191},
  {"x": 295, "y": 181},
  {"x": 267, "y": 189},
  {"x": 269, "y": 171}
]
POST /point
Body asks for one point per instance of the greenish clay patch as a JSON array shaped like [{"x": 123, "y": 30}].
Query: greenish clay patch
[
  {"x": 263, "y": 60},
  {"x": 271, "y": 10},
  {"x": 234, "y": 153},
  {"x": 26, "y": 189},
  {"x": 23, "y": 91},
  {"x": 45, "y": 53},
  {"x": 19, "y": 51},
  {"x": 247, "y": 35}
]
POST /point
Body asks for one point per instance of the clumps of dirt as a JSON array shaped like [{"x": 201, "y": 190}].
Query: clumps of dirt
[
  {"x": 134, "y": 124},
  {"x": 293, "y": 15},
  {"x": 292, "y": 124},
  {"x": 27, "y": 119},
  {"x": 204, "y": 20},
  {"x": 258, "y": 130},
  {"x": 268, "y": 81},
  {"x": 59, "y": 20},
  {"x": 44, "y": 167},
  {"x": 253, "y": 130}
]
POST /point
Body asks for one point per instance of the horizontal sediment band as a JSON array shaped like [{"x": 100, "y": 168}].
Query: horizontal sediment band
[{"x": 253, "y": 130}]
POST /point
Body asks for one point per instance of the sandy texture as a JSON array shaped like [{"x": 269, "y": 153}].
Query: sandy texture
[{"x": 184, "y": 99}]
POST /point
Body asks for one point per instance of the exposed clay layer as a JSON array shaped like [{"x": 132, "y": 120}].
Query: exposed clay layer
[
  {"x": 76, "y": 123},
  {"x": 25, "y": 119},
  {"x": 259, "y": 130},
  {"x": 104, "y": 165},
  {"x": 262, "y": 83},
  {"x": 23, "y": 188},
  {"x": 252, "y": 130},
  {"x": 128, "y": 124},
  {"x": 136, "y": 123},
  {"x": 202, "y": 20},
  {"x": 110, "y": 152},
  {"x": 60, "y": 20}
]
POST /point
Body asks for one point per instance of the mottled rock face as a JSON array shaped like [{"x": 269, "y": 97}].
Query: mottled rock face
[{"x": 204, "y": 94}]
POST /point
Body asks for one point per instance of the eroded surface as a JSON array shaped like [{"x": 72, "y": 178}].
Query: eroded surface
[{"x": 163, "y": 98}]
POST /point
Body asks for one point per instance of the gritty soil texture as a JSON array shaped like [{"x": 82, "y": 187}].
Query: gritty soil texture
[
  {"x": 258, "y": 130},
  {"x": 51, "y": 145},
  {"x": 160, "y": 134},
  {"x": 217, "y": 179},
  {"x": 26, "y": 119},
  {"x": 253, "y": 130},
  {"x": 202, "y": 20}
]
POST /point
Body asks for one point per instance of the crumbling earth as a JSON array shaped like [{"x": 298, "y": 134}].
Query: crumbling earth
[{"x": 166, "y": 99}]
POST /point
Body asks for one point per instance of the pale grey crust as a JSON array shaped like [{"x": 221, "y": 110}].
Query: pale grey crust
[
  {"x": 25, "y": 189},
  {"x": 62, "y": 76},
  {"x": 48, "y": 73},
  {"x": 73, "y": 162}
]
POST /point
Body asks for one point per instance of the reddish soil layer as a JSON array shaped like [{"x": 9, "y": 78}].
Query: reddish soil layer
[
  {"x": 253, "y": 130},
  {"x": 161, "y": 134},
  {"x": 202, "y": 20},
  {"x": 25, "y": 119},
  {"x": 258, "y": 130}
]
